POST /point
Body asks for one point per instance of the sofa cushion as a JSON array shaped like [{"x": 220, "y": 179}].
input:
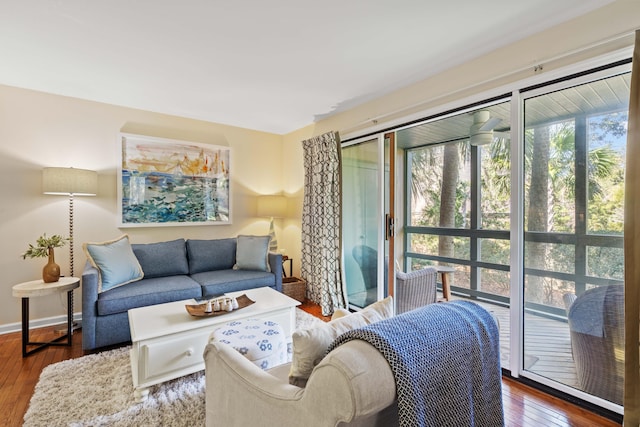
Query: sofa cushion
[
  {"x": 210, "y": 255},
  {"x": 157, "y": 290},
  {"x": 252, "y": 253},
  {"x": 219, "y": 282},
  {"x": 310, "y": 345},
  {"x": 162, "y": 258},
  {"x": 115, "y": 261}
]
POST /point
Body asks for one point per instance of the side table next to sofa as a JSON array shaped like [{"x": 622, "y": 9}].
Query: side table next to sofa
[{"x": 37, "y": 288}]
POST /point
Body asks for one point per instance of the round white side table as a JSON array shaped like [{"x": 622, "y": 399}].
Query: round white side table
[{"x": 37, "y": 288}]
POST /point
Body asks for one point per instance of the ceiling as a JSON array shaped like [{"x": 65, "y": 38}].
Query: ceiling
[
  {"x": 602, "y": 96},
  {"x": 274, "y": 66}
]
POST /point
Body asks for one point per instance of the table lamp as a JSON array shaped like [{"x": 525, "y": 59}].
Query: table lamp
[
  {"x": 272, "y": 207},
  {"x": 71, "y": 182}
]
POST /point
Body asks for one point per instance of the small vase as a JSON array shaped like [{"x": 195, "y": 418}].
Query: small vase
[{"x": 51, "y": 271}]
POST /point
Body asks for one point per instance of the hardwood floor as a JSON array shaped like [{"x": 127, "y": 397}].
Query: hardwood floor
[
  {"x": 524, "y": 406},
  {"x": 18, "y": 375}
]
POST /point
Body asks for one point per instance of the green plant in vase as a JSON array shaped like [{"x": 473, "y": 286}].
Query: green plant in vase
[{"x": 44, "y": 247}]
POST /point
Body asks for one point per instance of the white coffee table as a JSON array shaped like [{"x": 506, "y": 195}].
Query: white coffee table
[{"x": 168, "y": 343}]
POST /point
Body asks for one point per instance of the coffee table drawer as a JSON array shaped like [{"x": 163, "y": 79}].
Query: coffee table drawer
[{"x": 174, "y": 354}]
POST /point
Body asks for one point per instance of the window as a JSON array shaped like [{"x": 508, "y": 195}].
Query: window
[
  {"x": 574, "y": 163},
  {"x": 575, "y": 142},
  {"x": 570, "y": 155},
  {"x": 458, "y": 197}
]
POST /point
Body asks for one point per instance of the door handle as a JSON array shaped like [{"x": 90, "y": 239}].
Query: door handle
[{"x": 390, "y": 227}]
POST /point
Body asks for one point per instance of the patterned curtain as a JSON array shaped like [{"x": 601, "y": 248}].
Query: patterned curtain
[
  {"x": 321, "y": 263},
  {"x": 632, "y": 250}
]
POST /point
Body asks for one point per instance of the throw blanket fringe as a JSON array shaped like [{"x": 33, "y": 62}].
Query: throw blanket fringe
[{"x": 446, "y": 362}]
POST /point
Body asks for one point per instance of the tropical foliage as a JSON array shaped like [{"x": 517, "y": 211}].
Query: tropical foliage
[{"x": 550, "y": 194}]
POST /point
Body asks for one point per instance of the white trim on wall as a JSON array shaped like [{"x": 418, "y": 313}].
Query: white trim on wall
[{"x": 61, "y": 320}]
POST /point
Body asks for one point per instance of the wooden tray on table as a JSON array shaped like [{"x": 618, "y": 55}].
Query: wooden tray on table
[{"x": 198, "y": 310}]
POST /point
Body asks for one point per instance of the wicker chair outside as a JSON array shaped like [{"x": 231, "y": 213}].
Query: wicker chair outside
[
  {"x": 415, "y": 289},
  {"x": 596, "y": 323}
]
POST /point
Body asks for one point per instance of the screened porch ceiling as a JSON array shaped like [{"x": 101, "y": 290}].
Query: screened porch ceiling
[{"x": 602, "y": 96}]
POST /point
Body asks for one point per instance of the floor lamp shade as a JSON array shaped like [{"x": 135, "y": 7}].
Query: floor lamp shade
[
  {"x": 65, "y": 181},
  {"x": 272, "y": 207},
  {"x": 70, "y": 182}
]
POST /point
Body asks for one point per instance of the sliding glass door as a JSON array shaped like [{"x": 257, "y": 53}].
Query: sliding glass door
[
  {"x": 458, "y": 203},
  {"x": 574, "y": 151},
  {"x": 522, "y": 197},
  {"x": 366, "y": 215}
]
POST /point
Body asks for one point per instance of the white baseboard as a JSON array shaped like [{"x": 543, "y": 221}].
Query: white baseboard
[{"x": 40, "y": 323}]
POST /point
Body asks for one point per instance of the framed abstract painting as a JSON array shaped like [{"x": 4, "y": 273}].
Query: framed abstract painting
[{"x": 165, "y": 182}]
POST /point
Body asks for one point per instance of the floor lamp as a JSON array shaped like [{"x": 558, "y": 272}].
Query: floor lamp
[
  {"x": 272, "y": 207},
  {"x": 71, "y": 182}
]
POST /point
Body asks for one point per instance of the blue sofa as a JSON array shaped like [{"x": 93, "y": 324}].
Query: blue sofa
[{"x": 174, "y": 270}]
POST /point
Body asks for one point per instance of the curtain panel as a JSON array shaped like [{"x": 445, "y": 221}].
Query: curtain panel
[
  {"x": 632, "y": 250},
  {"x": 321, "y": 264}
]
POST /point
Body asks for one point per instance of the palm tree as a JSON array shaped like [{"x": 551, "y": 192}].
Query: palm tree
[
  {"x": 450, "y": 166},
  {"x": 549, "y": 190}
]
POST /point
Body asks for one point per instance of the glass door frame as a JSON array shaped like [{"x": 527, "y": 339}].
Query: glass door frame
[
  {"x": 385, "y": 222},
  {"x": 518, "y": 233},
  {"x": 569, "y": 74}
]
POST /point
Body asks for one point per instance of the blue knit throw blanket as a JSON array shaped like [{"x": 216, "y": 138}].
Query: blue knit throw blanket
[{"x": 445, "y": 358}]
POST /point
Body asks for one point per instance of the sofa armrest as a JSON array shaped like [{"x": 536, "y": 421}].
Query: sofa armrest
[
  {"x": 351, "y": 365},
  {"x": 89, "y": 306},
  {"x": 233, "y": 384},
  {"x": 275, "y": 263},
  {"x": 222, "y": 357}
]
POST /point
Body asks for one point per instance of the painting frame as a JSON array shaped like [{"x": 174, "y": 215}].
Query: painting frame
[{"x": 165, "y": 182}]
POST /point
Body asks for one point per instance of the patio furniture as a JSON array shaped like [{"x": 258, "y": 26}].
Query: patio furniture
[
  {"x": 415, "y": 289},
  {"x": 596, "y": 323}
]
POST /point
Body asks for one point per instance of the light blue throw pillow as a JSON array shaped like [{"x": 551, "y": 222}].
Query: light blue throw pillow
[
  {"x": 252, "y": 253},
  {"x": 116, "y": 263}
]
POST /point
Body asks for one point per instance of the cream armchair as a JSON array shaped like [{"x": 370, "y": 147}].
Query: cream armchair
[{"x": 352, "y": 386}]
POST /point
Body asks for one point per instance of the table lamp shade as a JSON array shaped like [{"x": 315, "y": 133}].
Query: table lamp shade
[
  {"x": 79, "y": 182},
  {"x": 272, "y": 206}
]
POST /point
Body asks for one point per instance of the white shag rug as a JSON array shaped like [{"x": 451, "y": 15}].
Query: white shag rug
[{"x": 97, "y": 390}]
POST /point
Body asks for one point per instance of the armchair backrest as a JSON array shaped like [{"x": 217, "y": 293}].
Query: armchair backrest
[
  {"x": 415, "y": 289},
  {"x": 596, "y": 323}
]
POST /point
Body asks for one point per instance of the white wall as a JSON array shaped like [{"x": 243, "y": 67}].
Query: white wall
[{"x": 39, "y": 130}]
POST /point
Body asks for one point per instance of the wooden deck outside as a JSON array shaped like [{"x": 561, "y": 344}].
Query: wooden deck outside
[{"x": 547, "y": 345}]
